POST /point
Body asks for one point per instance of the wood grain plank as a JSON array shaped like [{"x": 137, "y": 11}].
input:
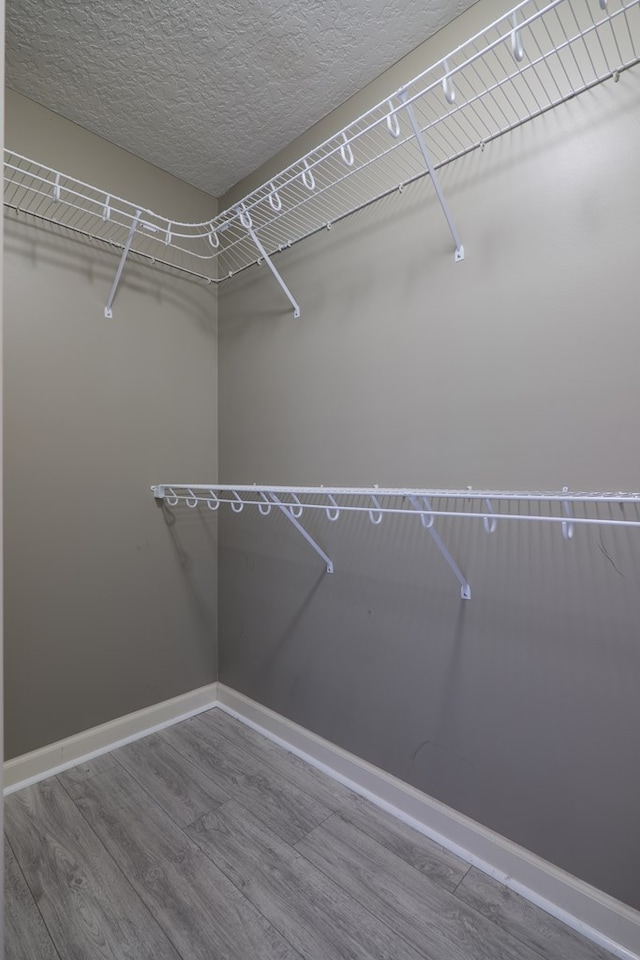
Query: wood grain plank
[
  {"x": 422, "y": 853},
  {"x": 203, "y": 913},
  {"x": 287, "y": 810},
  {"x": 549, "y": 937},
  {"x": 312, "y": 912},
  {"x": 271, "y": 755},
  {"x": 179, "y": 787},
  {"x": 25, "y": 934},
  {"x": 89, "y": 907},
  {"x": 421, "y": 911},
  {"x": 83, "y": 771}
]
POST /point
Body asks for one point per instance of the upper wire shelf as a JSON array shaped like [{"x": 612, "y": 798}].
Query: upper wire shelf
[
  {"x": 564, "y": 508},
  {"x": 526, "y": 62}
]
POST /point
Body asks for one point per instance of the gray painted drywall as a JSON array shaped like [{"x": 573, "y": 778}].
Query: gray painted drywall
[
  {"x": 1, "y": 516},
  {"x": 514, "y": 369},
  {"x": 108, "y": 608}
]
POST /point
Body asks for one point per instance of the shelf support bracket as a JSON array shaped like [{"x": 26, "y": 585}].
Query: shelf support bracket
[
  {"x": 428, "y": 524},
  {"x": 417, "y": 132},
  {"x": 245, "y": 220},
  {"x": 125, "y": 253},
  {"x": 286, "y": 510}
]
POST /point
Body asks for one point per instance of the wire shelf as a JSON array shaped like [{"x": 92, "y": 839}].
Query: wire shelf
[
  {"x": 532, "y": 59},
  {"x": 565, "y": 508},
  {"x": 464, "y": 502},
  {"x": 527, "y": 62},
  {"x": 53, "y": 197}
]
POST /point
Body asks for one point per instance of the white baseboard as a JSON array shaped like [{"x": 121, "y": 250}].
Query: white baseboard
[
  {"x": 601, "y": 918},
  {"x": 47, "y": 761}
]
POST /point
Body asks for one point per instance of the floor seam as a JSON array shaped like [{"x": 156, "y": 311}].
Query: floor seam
[
  {"x": 149, "y": 794},
  {"x": 220, "y": 867},
  {"x": 412, "y": 946},
  {"x": 462, "y": 878},
  {"x": 313, "y": 829}
]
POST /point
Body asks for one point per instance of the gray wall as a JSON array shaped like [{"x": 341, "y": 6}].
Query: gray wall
[
  {"x": 108, "y": 608},
  {"x": 514, "y": 369},
  {"x": 1, "y": 517}
]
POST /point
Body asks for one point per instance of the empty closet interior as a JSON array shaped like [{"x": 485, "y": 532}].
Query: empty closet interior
[{"x": 356, "y": 438}]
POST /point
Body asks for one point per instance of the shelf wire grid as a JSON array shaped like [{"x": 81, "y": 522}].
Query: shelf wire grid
[
  {"x": 567, "y": 508},
  {"x": 527, "y": 62},
  {"x": 50, "y": 196}
]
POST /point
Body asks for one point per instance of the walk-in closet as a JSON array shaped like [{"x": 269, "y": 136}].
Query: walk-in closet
[{"x": 321, "y": 497}]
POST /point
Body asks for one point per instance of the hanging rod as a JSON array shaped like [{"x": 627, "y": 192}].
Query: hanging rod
[
  {"x": 521, "y": 65},
  {"x": 547, "y": 507}
]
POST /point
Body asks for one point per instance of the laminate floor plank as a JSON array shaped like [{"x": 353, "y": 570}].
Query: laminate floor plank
[
  {"x": 333, "y": 795},
  {"x": 548, "y": 936},
  {"x": 90, "y": 768},
  {"x": 202, "y": 912},
  {"x": 422, "y": 912},
  {"x": 25, "y": 934},
  {"x": 208, "y": 841},
  {"x": 179, "y": 787},
  {"x": 284, "y": 808},
  {"x": 315, "y": 915},
  {"x": 419, "y": 851},
  {"x": 90, "y": 909}
]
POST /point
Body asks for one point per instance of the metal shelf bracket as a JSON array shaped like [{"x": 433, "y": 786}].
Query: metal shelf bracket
[
  {"x": 247, "y": 223},
  {"x": 417, "y": 132},
  {"x": 290, "y": 510},
  {"x": 427, "y": 520},
  {"x": 125, "y": 252}
]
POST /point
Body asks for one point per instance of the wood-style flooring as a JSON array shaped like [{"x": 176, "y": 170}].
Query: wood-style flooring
[{"x": 208, "y": 842}]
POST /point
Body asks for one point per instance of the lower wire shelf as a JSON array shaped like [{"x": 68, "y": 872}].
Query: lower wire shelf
[{"x": 565, "y": 507}]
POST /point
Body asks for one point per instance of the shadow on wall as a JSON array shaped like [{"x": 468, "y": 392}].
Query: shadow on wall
[
  {"x": 199, "y": 594},
  {"x": 502, "y": 707},
  {"x": 46, "y": 244}
]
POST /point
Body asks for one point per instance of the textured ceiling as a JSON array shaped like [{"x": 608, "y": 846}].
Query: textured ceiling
[{"x": 208, "y": 91}]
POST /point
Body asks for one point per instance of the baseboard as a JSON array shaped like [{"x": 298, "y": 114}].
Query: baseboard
[
  {"x": 47, "y": 761},
  {"x": 601, "y": 918}
]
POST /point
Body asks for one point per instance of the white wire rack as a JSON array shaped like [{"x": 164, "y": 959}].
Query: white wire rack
[
  {"x": 54, "y": 197},
  {"x": 530, "y": 60},
  {"x": 566, "y": 508}
]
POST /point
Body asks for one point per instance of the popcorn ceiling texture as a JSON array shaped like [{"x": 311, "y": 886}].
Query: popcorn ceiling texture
[{"x": 208, "y": 91}]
